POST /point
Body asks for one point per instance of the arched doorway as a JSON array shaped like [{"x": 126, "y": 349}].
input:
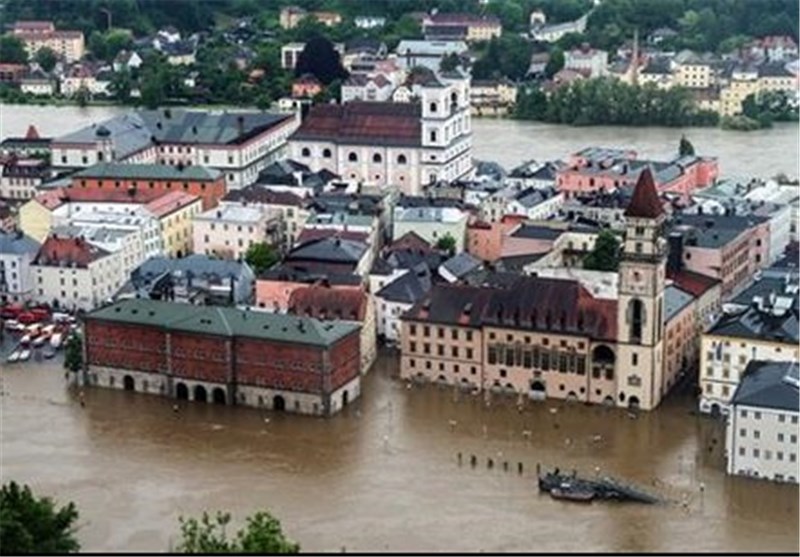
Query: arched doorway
[
  {"x": 128, "y": 383},
  {"x": 278, "y": 403},
  {"x": 608, "y": 401},
  {"x": 345, "y": 399},
  {"x": 181, "y": 391},
  {"x": 633, "y": 403},
  {"x": 200, "y": 394},
  {"x": 572, "y": 397},
  {"x": 715, "y": 410},
  {"x": 538, "y": 391},
  {"x": 219, "y": 395}
]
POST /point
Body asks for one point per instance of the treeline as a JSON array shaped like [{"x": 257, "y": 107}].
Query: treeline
[{"x": 606, "y": 101}]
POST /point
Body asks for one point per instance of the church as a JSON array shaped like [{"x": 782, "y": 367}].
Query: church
[{"x": 554, "y": 337}]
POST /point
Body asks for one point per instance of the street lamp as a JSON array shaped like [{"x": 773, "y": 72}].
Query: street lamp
[{"x": 108, "y": 16}]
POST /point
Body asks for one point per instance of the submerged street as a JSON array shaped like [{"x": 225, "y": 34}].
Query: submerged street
[{"x": 385, "y": 473}]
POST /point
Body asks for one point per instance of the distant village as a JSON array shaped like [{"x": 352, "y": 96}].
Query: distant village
[
  {"x": 717, "y": 83},
  {"x": 264, "y": 258}
]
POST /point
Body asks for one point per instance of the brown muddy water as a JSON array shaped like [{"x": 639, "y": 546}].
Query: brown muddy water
[{"x": 383, "y": 475}]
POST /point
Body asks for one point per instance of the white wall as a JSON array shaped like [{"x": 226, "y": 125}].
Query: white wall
[{"x": 762, "y": 442}]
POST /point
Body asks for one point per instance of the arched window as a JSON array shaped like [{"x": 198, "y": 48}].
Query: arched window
[
  {"x": 326, "y": 153},
  {"x": 352, "y": 157},
  {"x": 306, "y": 152},
  {"x": 433, "y": 107},
  {"x": 401, "y": 159},
  {"x": 636, "y": 319},
  {"x": 377, "y": 158}
]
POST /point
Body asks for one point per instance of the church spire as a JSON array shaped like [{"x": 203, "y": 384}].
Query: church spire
[{"x": 645, "y": 202}]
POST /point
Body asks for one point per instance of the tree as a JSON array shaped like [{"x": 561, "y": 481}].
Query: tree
[
  {"x": 261, "y": 256},
  {"x": 46, "y": 58},
  {"x": 30, "y": 525},
  {"x": 449, "y": 62},
  {"x": 555, "y": 63},
  {"x": 73, "y": 353},
  {"x": 12, "y": 50},
  {"x": 685, "y": 148},
  {"x": 447, "y": 243},
  {"x": 262, "y": 534},
  {"x": 605, "y": 255},
  {"x": 121, "y": 85},
  {"x": 82, "y": 96},
  {"x": 320, "y": 59}
]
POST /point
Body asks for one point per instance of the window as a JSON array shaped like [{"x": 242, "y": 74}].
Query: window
[
  {"x": 743, "y": 432},
  {"x": 412, "y": 346},
  {"x": 377, "y": 158},
  {"x": 440, "y": 332},
  {"x": 756, "y": 434},
  {"x": 741, "y": 451},
  {"x": 426, "y": 331},
  {"x": 454, "y": 351},
  {"x": 757, "y": 415},
  {"x": 469, "y": 353},
  {"x": 306, "y": 152},
  {"x": 756, "y": 453},
  {"x": 780, "y": 437},
  {"x": 781, "y": 418},
  {"x": 440, "y": 350},
  {"x": 743, "y": 413},
  {"x": 412, "y": 363},
  {"x": 352, "y": 157},
  {"x": 401, "y": 159},
  {"x": 433, "y": 107},
  {"x": 502, "y": 373},
  {"x": 469, "y": 336},
  {"x": 412, "y": 329},
  {"x": 454, "y": 334},
  {"x": 492, "y": 355},
  {"x": 326, "y": 153},
  {"x": 634, "y": 359},
  {"x": 433, "y": 135},
  {"x": 426, "y": 348}
]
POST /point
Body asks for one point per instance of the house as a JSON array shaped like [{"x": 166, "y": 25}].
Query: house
[
  {"x": 330, "y": 255},
  {"x": 761, "y": 430},
  {"x": 657, "y": 70},
  {"x": 369, "y": 22},
  {"x": 290, "y": 53},
  {"x": 660, "y": 35},
  {"x": 290, "y": 16},
  {"x": 17, "y": 252},
  {"x": 456, "y": 268},
  {"x": 428, "y": 54},
  {"x": 127, "y": 60},
  {"x": 180, "y": 53},
  {"x": 385, "y": 144},
  {"x": 762, "y": 327},
  {"x": 37, "y": 83},
  {"x": 431, "y": 224},
  {"x": 236, "y": 144},
  {"x": 538, "y": 64},
  {"x": 195, "y": 279},
  {"x": 82, "y": 77},
  {"x": 461, "y": 26},
  {"x": 775, "y": 48},
  {"x": 21, "y": 176},
  {"x": 36, "y": 35},
  {"x": 290, "y": 206},
  {"x": 492, "y": 97},
  {"x": 329, "y": 19},
  {"x": 553, "y": 32},
  {"x": 398, "y": 296},
  {"x": 197, "y": 343},
  {"x": 536, "y": 203},
  {"x": 229, "y": 230},
  {"x": 306, "y": 86},
  {"x": 692, "y": 70},
  {"x": 28, "y": 145},
  {"x": 586, "y": 59},
  {"x": 359, "y": 87},
  {"x": 72, "y": 273},
  {"x": 327, "y": 304}
]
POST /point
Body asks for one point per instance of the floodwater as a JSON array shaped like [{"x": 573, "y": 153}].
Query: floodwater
[
  {"x": 741, "y": 155},
  {"x": 383, "y": 475}
]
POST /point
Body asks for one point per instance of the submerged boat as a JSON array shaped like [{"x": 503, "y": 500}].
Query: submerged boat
[
  {"x": 600, "y": 488},
  {"x": 571, "y": 492},
  {"x": 39, "y": 341}
]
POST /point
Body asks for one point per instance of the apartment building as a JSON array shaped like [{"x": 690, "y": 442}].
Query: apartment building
[{"x": 36, "y": 35}]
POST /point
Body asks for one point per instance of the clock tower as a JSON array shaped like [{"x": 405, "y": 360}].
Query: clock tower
[{"x": 640, "y": 310}]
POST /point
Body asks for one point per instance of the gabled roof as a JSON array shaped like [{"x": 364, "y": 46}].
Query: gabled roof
[
  {"x": 645, "y": 202},
  {"x": 408, "y": 288},
  {"x": 769, "y": 385},
  {"x": 58, "y": 251},
  {"x": 695, "y": 284},
  {"x": 17, "y": 243},
  {"x": 460, "y": 265},
  {"x": 410, "y": 241},
  {"x": 329, "y": 249},
  {"x": 372, "y": 123},
  {"x": 149, "y": 172},
  {"x": 322, "y": 302}
]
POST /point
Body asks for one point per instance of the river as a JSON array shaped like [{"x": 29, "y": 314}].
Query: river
[
  {"x": 742, "y": 155},
  {"x": 384, "y": 475}
]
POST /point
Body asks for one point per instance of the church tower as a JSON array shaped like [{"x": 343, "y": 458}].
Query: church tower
[{"x": 640, "y": 310}]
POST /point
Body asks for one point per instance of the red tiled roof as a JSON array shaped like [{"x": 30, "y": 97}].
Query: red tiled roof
[
  {"x": 68, "y": 251},
  {"x": 59, "y": 196},
  {"x": 645, "y": 202},
  {"x": 695, "y": 284},
  {"x": 170, "y": 202},
  {"x": 308, "y": 234},
  {"x": 32, "y": 132},
  {"x": 370, "y": 123},
  {"x": 410, "y": 241},
  {"x": 323, "y": 302}
]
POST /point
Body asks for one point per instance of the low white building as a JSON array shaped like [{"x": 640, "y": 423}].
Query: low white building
[
  {"x": 17, "y": 251},
  {"x": 360, "y": 87},
  {"x": 585, "y": 59},
  {"x": 72, "y": 273},
  {"x": 38, "y": 84},
  {"x": 536, "y": 204},
  {"x": 230, "y": 229},
  {"x": 369, "y": 21},
  {"x": 397, "y": 297},
  {"x": 762, "y": 427}
]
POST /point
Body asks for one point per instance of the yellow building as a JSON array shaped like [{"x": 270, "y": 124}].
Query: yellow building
[
  {"x": 732, "y": 97},
  {"x": 36, "y": 35},
  {"x": 693, "y": 75},
  {"x": 174, "y": 212},
  {"x": 36, "y": 216}
]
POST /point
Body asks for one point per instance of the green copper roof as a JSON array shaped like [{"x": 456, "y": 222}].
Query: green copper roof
[
  {"x": 229, "y": 322},
  {"x": 148, "y": 172}
]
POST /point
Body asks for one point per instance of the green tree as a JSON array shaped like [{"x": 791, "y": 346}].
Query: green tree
[
  {"x": 46, "y": 58},
  {"x": 449, "y": 62},
  {"x": 12, "y": 50},
  {"x": 320, "y": 59},
  {"x": 121, "y": 85},
  {"x": 555, "y": 63},
  {"x": 73, "y": 353},
  {"x": 605, "y": 255},
  {"x": 31, "y": 525},
  {"x": 262, "y": 534},
  {"x": 261, "y": 256},
  {"x": 685, "y": 148},
  {"x": 116, "y": 41},
  {"x": 447, "y": 243},
  {"x": 82, "y": 96}
]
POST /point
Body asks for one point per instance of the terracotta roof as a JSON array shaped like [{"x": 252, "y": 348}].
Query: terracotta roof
[
  {"x": 32, "y": 132},
  {"x": 645, "y": 202},
  {"x": 58, "y": 196},
  {"x": 356, "y": 123},
  {"x": 410, "y": 241},
  {"x": 695, "y": 284},
  {"x": 68, "y": 251},
  {"x": 323, "y": 302},
  {"x": 170, "y": 202}
]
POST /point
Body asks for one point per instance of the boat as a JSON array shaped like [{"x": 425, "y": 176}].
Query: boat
[
  {"x": 569, "y": 492},
  {"x": 48, "y": 329},
  {"x": 25, "y": 339},
  {"x": 56, "y": 340},
  {"x": 13, "y": 357},
  {"x": 602, "y": 488},
  {"x": 25, "y": 355}
]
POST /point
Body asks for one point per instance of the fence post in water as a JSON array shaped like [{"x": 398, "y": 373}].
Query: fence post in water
[
  {"x": 519, "y": 468},
  {"x": 473, "y": 460},
  {"x": 459, "y": 459},
  {"x": 505, "y": 466},
  {"x": 490, "y": 463}
]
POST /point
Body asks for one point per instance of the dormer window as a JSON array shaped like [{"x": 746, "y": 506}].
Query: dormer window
[{"x": 433, "y": 107}]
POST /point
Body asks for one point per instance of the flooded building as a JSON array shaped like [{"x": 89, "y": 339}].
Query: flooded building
[{"x": 226, "y": 355}]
